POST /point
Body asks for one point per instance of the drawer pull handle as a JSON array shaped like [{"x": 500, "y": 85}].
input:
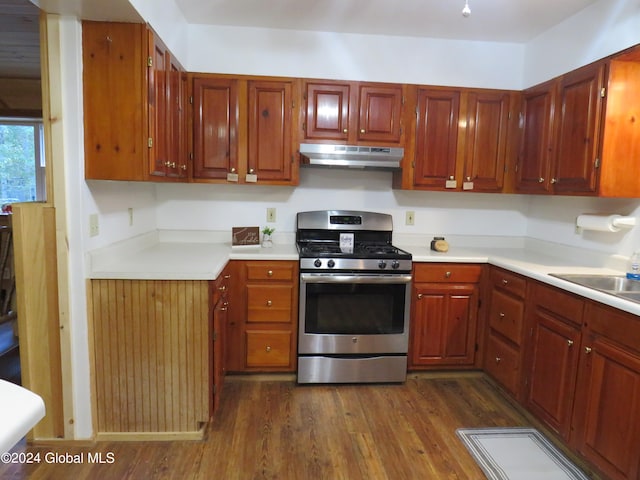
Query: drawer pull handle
[
  {"x": 268, "y": 349},
  {"x": 269, "y": 303},
  {"x": 447, "y": 275},
  {"x": 587, "y": 350},
  {"x": 270, "y": 273},
  {"x": 570, "y": 343},
  {"x": 498, "y": 359}
]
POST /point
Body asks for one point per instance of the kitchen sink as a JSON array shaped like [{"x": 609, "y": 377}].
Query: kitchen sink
[
  {"x": 617, "y": 285},
  {"x": 607, "y": 283}
]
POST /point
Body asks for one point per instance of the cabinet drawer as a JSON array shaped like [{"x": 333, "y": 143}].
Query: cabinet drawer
[
  {"x": 269, "y": 303},
  {"x": 506, "y": 316},
  {"x": 616, "y": 325},
  {"x": 267, "y": 348},
  {"x": 559, "y": 302},
  {"x": 511, "y": 282},
  {"x": 502, "y": 362},
  {"x": 270, "y": 271},
  {"x": 446, "y": 272}
]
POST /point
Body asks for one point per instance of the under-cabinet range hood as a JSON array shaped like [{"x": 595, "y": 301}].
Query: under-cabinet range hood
[{"x": 351, "y": 156}]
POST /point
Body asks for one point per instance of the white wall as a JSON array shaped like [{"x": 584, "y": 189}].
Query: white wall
[{"x": 599, "y": 30}]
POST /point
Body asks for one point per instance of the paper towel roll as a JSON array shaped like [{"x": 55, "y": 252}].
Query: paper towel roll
[{"x": 604, "y": 223}]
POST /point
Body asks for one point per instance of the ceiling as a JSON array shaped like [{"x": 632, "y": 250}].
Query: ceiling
[
  {"x": 516, "y": 21},
  {"x": 19, "y": 39}
]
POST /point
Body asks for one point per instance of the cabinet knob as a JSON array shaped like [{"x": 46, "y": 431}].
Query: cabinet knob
[
  {"x": 233, "y": 170},
  {"x": 223, "y": 288},
  {"x": 468, "y": 179},
  {"x": 419, "y": 296},
  {"x": 541, "y": 180},
  {"x": 587, "y": 350},
  {"x": 451, "y": 177},
  {"x": 570, "y": 343},
  {"x": 447, "y": 275},
  {"x": 227, "y": 277},
  {"x": 498, "y": 359},
  {"x": 505, "y": 281},
  {"x": 269, "y": 303},
  {"x": 501, "y": 314},
  {"x": 345, "y": 130},
  {"x": 251, "y": 170},
  {"x": 183, "y": 167},
  {"x": 270, "y": 273},
  {"x": 554, "y": 180},
  {"x": 268, "y": 349},
  {"x": 362, "y": 130}
]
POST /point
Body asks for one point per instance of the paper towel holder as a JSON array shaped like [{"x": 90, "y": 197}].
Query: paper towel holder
[{"x": 605, "y": 223}]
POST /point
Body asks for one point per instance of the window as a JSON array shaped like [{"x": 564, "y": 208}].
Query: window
[{"x": 22, "y": 165}]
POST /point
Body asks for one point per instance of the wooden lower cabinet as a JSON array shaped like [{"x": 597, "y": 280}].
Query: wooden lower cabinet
[
  {"x": 606, "y": 417},
  {"x": 505, "y": 333},
  {"x": 263, "y": 320},
  {"x": 554, "y": 342},
  {"x": 150, "y": 358},
  {"x": 444, "y": 315}
]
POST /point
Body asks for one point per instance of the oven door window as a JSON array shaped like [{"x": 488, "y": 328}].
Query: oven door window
[{"x": 355, "y": 309}]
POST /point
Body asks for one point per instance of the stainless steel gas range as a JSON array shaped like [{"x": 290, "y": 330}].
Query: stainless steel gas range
[{"x": 355, "y": 290}]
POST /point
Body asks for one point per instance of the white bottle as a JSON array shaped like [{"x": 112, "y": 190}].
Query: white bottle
[{"x": 633, "y": 270}]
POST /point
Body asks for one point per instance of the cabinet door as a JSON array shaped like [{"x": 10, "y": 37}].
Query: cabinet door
[
  {"x": 606, "y": 420},
  {"x": 270, "y": 132},
  {"x": 380, "y": 113},
  {"x": 444, "y": 324},
  {"x": 486, "y": 142},
  {"x": 578, "y": 130},
  {"x": 536, "y": 141},
  {"x": 215, "y": 125},
  {"x": 176, "y": 121},
  {"x": 436, "y": 137},
  {"x": 158, "y": 107},
  {"x": 552, "y": 370},
  {"x": 327, "y": 112},
  {"x": 114, "y": 82}
]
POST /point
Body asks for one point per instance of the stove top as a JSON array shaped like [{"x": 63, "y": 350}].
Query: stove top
[{"x": 348, "y": 240}]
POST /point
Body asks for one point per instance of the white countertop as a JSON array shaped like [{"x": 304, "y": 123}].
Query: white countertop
[
  {"x": 202, "y": 256},
  {"x": 20, "y": 411}
]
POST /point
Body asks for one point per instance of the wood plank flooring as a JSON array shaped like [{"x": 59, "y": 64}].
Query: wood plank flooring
[{"x": 278, "y": 430}]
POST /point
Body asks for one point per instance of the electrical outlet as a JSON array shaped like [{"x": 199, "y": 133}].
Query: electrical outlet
[
  {"x": 410, "y": 218},
  {"x": 130, "y": 210},
  {"x": 94, "y": 227},
  {"x": 271, "y": 215}
]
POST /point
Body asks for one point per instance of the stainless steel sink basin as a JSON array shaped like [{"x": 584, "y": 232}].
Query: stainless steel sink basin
[
  {"x": 607, "y": 283},
  {"x": 612, "y": 284}
]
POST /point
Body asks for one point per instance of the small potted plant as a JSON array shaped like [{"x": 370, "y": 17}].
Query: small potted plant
[{"x": 266, "y": 237}]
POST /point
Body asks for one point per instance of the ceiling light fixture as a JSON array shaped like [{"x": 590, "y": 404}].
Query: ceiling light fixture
[{"x": 466, "y": 11}]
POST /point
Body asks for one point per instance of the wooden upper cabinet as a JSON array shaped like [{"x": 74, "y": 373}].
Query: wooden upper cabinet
[
  {"x": 436, "y": 138},
  {"x": 327, "y": 110},
  {"x": 353, "y": 112},
  {"x": 270, "y": 130},
  {"x": 380, "y": 113},
  {"x": 215, "y": 126},
  {"x": 130, "y": 98},
  {"x": 243, "y": 129},
  {"x": 533, "y": 170},
  {"x": 578, "y": 130},
  {"x": 488, "y": 115}
]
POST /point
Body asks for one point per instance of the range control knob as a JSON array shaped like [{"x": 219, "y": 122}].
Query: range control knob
[
  {"x": 382, "y": 264},
  {"x": 317, "y": 263},
  {"x": 331, "y": 264},
  {"x": 395, "y": 264}
]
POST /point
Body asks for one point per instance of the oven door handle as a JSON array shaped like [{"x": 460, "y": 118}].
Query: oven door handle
[{"x": 357, "y": 278}]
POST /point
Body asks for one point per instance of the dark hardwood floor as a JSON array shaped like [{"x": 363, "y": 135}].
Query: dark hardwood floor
[{"x": 275, "y": 429}]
